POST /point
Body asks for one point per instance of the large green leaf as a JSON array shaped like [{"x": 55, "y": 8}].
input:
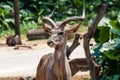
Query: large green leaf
[
  {"x": 5, "y": 24},
  {"x": 115, "y": 32},
  {"x": 110, "y": 49},
  {"x": 116, "y": 77},
  {"x": 111, "y": 45},
  {"x": 2, "y": 11},
  {"x": 102, "y": 34},
  {"x": 77, "y": 2},
  {"x": 113, "y": 54},
  {"x": 115, "y": 24}
]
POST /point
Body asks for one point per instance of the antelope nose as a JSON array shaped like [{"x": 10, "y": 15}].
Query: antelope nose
[{"x": 49, "y": 42}]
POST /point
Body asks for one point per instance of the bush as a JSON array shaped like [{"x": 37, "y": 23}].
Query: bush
[
  {"x": 107, "y": 49},
  {"x": 35, "y": 9}
]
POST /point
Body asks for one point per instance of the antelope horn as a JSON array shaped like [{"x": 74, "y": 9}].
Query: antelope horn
[
  {"x": 52, "y": 23},
  {"x": 52, "y": 13},
  {"x": 74, "y": 18}
]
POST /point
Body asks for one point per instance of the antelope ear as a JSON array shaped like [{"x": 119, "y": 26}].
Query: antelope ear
[
  {"x": 46, "y": 27},
  {"x": 73, "y": 29}
]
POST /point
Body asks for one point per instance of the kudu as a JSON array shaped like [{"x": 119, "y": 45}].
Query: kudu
[{"x": 55, "y": 66}]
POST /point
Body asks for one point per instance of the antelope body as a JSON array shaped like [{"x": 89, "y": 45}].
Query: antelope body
[{"x": 56, "y": 66}]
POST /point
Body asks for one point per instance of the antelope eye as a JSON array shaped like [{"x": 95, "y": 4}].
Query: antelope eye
[{"x": 60, "y": 33}]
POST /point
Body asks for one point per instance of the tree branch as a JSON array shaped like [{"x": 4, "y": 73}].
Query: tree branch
[
  {"x": 88, "y": 36},
  {"x": 73, "y": 46}
]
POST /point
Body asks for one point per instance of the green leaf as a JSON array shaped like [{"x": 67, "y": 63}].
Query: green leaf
[
  {"x": 111, "y": 45},
  {"x": 41, "y": 11},
  {"x": 4, "y": 23},
  {"x": 77, "y": 3},
  {"x": 115, "y": 24},
  {"x": 9, "y": 20},
  {"x": 102, "y": 34},
  {"x": 115, "y": 32},
  {"x": 116, "y": 77},
  {"x": 113, "y": 54},
  {"x": 2, "y": 11}
]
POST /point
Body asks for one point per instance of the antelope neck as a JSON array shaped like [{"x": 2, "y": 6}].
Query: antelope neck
[
  {"x": 59, "y": 58},
  {"x": 61, "y": 48}
]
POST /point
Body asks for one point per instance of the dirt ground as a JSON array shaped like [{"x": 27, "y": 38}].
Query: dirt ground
[
  {"x": 33, "y": 44},
  {"x": 77, "y": 76}
]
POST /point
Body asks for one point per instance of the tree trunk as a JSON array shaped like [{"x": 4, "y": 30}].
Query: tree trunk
[
  {"x": 37, "y": 34},
  {"x": 16, "y": 16},
  {"x": 13, "y": 40}
]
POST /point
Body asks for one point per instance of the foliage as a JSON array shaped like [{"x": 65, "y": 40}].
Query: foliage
[
  {"x": 25, "y": 26},
  {"x": 107, "y": 36},
  {"x": 6, "y": 18},
  {"x": 33, "y": 10},
  {"x": 63, "y": 8},
  {"x": 107, "y": 49},
  {"x": 66, "y": 8}
]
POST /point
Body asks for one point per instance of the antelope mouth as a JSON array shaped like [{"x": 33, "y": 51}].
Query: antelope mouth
[{"x": 51, "y": 44}]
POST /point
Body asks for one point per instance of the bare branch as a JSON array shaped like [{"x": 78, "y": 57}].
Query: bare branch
[
  {"x": 87, "y": 37},
  {"x": 73, "y": 46}
]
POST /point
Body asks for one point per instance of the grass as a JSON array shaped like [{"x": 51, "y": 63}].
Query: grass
[
  {"x": 5, "y": 33},
  {"x": 24, "y": 27}
]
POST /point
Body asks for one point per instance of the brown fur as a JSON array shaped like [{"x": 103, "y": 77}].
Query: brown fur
[
  {"x": 44, "y": 61},
  {"x": 78, "y": 64},
  {"x": 56, "y": 66}
]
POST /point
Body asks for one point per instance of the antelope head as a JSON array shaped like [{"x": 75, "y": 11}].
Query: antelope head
[{"x": 58, "y": 32}]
